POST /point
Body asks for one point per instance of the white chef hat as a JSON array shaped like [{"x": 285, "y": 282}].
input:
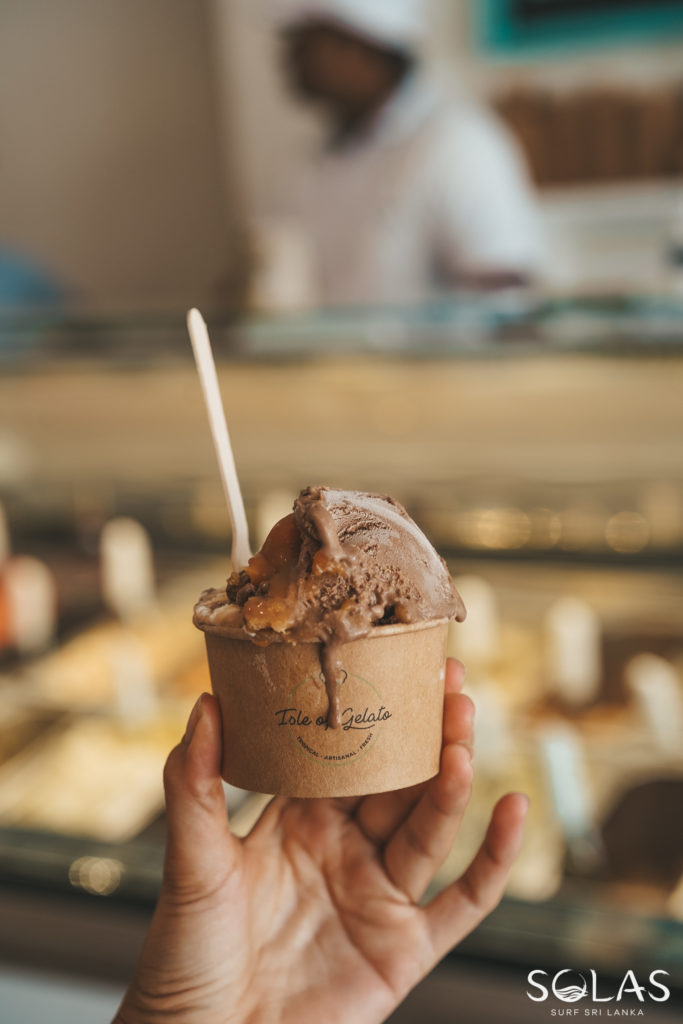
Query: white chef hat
[{"x": 399, "y": 24}]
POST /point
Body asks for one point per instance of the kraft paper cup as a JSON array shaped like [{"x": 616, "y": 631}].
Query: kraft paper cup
[{"x": 273, "y": 705}]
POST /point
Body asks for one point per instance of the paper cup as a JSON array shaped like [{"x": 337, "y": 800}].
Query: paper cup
[{"x": 273, "y": 704}]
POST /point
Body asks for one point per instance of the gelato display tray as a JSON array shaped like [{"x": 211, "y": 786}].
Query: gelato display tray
[
  {"x": 81, "y": 806},
  {"x": 553, "y": 483}
]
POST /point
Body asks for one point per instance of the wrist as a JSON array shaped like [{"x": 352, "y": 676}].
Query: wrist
[
  {"x": 142, "y": 1005},
  {"x": 139, "y": 1007}
]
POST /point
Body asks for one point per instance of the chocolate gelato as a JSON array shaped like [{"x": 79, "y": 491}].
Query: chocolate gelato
[{"x": 341, "y": 563}]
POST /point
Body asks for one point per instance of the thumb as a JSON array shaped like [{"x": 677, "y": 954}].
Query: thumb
[{"x": 200, "y": 847}]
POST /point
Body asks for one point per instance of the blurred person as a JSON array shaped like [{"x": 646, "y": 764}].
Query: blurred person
[
  {"x": 317, "y": 915},
  {"x": 418, "y": 189}
]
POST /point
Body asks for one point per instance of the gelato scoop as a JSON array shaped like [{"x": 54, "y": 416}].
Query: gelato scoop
[{"x": 340, "y": 564}]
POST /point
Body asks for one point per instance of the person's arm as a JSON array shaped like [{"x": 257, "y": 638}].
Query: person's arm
[
  {"x": 485, "y": 220},
  {"x": 317, "y": 914}
]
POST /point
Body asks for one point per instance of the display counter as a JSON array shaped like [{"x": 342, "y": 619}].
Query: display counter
[{"x": 546, "y": 468}]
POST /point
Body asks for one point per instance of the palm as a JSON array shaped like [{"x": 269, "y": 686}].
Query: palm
[
  {"x": 316, "y": 914},
  {"x": 352, "y": 924}
]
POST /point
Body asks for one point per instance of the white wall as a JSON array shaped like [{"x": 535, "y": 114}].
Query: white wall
[
  {"x": 111, "y": 172},
  {"x": 268, "y": 133}
]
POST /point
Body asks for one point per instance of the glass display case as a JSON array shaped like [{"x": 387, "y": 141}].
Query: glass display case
[{"x": 541, "y": 449}]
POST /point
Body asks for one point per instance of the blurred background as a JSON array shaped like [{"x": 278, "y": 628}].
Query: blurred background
[{"x": 440, "y": 250}]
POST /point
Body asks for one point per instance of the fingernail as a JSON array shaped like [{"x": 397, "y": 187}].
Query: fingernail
[
  {"x": 527, "y": 801},
  {"x": 195, "y": 715}
]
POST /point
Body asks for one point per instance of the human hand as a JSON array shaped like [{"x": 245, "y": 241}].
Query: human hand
[{"x": 315, "y": 915}]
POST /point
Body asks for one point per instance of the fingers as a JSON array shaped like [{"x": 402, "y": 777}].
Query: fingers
[
  {"x": 422, "y": 842},
  {"x": 345, "y": 804},
  {"x": 455, "y": 675},
  {"x": 199, "y": 841},
  {"x": 460, "y": 907},
  {"x": 458, "y": 720},
  {"x": 378, "y": 816}
]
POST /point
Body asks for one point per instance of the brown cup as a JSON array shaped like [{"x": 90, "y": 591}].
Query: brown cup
[{"x": 273, "y": 705}]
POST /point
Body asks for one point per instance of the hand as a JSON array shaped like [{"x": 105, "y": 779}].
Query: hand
[{"x": 315, "y": 915}]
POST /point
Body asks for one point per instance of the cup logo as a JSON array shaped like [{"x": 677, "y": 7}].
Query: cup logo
[
  {"x": 321, "y": 677},
  {"x": 363, "y": 716}
]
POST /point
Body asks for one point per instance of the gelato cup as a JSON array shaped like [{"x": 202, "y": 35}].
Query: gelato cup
[{"x": 274, "y": 704}]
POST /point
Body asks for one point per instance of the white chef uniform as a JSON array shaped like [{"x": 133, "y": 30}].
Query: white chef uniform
[{"x": 433, "y": 191}]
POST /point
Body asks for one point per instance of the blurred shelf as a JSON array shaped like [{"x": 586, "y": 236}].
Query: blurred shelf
[
  {"x": 465, "y": 325},
  {"x": 596, "y": 203}
]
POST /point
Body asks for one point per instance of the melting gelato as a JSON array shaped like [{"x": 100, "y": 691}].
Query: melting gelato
[{"x": 340, "y": 564}]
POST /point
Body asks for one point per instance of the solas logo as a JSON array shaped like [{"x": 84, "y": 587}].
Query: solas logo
[{"x": 570, "y": 986}]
